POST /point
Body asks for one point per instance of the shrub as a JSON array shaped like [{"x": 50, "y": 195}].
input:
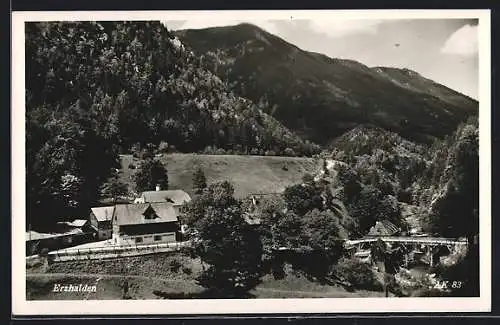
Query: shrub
[
  {"x": 199, "y": 181},
  {"x": 136, "y": 149},
  {"x": 44, "y": 252},
  {"x": 404, "y": 195},
  {"x": 270, "y": 153},
  {"x": 359, "y": 274},
  {"x": 131, "y": 166},
  {"x": 175, "y": 265},
  {"x": 289, "y": 152},
  {"x": 147, "y": 153},
  {"x": 163, "y": 147},
  {"x": 208, "y": 150}
]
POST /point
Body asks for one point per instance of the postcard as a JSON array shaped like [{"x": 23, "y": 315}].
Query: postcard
[{"x": 250, "y": 162}]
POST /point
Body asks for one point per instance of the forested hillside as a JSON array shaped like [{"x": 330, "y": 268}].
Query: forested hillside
[
  {"x": 442, "y": 179},
  {"x": 96, "y": 89},
  {"x": 321, "y": 97}
]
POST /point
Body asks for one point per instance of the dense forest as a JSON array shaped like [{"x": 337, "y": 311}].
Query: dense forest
[
  {"x": 442, "y": 178},
  {"x": 94, "y": 90}
]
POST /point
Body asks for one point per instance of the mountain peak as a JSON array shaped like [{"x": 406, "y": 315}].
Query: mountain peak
[
  {"x": 414, "y": 81},
  {"x": 320, "y": 97}
]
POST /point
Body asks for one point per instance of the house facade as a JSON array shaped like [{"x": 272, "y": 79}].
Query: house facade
[
  {"x": 145, "y": 223},
  {"x": 101, "y": 220}
]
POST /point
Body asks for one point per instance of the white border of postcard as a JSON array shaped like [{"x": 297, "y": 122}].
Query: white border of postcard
[{"x": 20, "y": 306}]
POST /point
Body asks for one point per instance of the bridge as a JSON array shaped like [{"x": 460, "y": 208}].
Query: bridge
[
  {"x": 432, "y": 241},
  {"x": 411, "y": 246}
]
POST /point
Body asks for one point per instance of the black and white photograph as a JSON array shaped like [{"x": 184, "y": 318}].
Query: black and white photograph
[{"x": 255, "y": 158}]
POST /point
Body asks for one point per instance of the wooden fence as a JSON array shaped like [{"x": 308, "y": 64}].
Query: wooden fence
[{"x": 113, "y": 251}]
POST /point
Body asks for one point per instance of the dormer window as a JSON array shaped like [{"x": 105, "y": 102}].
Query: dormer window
[{"x": 149, "y": 214}]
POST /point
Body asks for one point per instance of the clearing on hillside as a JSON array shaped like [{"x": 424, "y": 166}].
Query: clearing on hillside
[{"x": 248, "y": 174}]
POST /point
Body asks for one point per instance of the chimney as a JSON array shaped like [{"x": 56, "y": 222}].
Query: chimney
[{"x": 158, "y": 188}]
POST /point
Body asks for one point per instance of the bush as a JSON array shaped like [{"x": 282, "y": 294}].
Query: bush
[
  {"x": 270, "y": 153},
  {"x": 147, "y": 154},
  {"x": 289, "y": 152},
  {"x": 163, "y": 147},
  {"x": 404, "y": 195},
  {"x": 175, "y": 265},
  {"x": 131, "y": 166},
  {"x": 136, "y": 150},
  {"x": 208, "y": 150},
  {"x": 359, "y": 274}
]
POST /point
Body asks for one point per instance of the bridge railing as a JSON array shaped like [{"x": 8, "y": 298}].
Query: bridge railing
[{"x": 417, "y": 240}]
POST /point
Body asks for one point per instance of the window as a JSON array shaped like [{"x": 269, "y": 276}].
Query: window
[
  {"x": 138, "y": 240},
  {"x": 150, "y": 214},
  {"x": 157, "y": 238}
]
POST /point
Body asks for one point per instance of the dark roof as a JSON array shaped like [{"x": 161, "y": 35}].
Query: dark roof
[
  {"x": 132, "y": 214},
  {"x": 383, "y": 228},
  {"x": 176, "y": 197},
  {"x": 77, "y": 223},
  {"x": 34, "y": 235}
]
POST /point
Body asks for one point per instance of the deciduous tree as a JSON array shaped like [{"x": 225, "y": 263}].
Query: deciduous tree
[
  {"x": 199, "y": 181},
  {"x": 151, "y": 173},
  {"x": 225, "y": 242}
]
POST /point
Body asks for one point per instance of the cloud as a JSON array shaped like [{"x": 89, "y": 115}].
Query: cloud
[
  {"x": 343, "y": 27},
  {"x": 463, "y": 42}
]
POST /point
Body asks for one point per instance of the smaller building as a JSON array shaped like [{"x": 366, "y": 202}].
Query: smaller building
[
  {"x": 36, "y": 242},
  {"x": 101, "y": 219},
  {"x": 252, "y": 219},
  {"x": 384, "y": 228}
]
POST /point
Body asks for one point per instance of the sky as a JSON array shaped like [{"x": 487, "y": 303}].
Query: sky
[{"x": 444, "y": 50}]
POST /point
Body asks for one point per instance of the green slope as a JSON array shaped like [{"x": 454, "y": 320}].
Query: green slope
[{"x": 248, "y": 174}]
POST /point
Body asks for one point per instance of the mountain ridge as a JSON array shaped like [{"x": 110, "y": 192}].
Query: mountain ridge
[{"x": 320, "y": 97}]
